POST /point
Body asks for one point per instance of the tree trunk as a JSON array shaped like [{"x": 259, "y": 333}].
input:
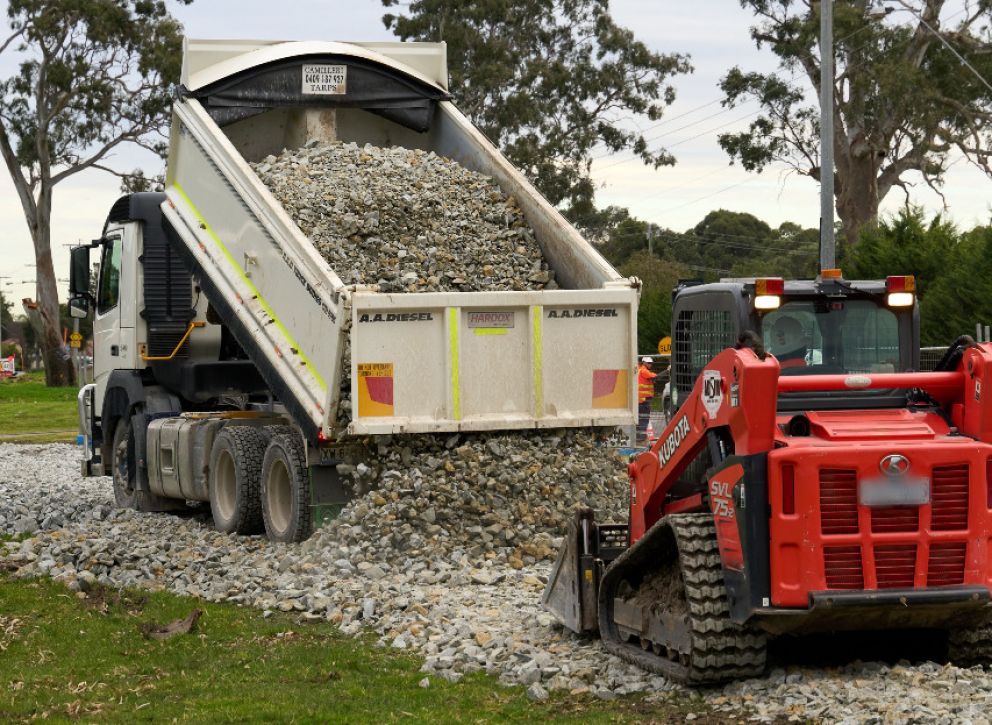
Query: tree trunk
[
  {"x": 58, "y": 370},
  {"x": 856, "y": 193}
]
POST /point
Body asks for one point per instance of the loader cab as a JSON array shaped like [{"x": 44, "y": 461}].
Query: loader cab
[{"x": 813, "y": 327}]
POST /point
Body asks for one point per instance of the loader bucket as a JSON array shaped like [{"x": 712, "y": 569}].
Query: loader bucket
[{"x": 573, "y": 583}]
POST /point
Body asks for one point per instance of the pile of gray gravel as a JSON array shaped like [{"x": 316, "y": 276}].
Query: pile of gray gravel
[
  {"x": 462, "y": 613},
  {"x": 405, "y": 219},
  {"x": 508, "y": 493}
]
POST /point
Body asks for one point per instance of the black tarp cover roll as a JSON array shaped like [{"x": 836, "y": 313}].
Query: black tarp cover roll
[{"x": 369, "y": 86}]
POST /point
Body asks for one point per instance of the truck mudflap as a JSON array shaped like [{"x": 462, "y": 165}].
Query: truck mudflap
[{"x": 573, "y": 585}]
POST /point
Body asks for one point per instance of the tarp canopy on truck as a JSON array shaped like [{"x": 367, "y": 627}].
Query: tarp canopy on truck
[{"x": 318, "y": 75}]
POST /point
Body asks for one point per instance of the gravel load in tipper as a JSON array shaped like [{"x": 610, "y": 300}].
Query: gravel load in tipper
[
  {"x": 405, "y": 219},
  {"x": 462, "y": 613}
]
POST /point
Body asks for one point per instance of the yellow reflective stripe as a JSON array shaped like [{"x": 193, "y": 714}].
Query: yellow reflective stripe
[
  {"x": 482, "y": 331},
  {"x": 456, "y": 392},
  {"x": 255, "y": 292},
  {"x": 538, "y": 372}
]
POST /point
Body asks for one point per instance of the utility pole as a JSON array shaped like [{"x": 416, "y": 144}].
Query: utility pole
[
  {"x": 2, "y": 278},
  {"x": 826, "y": 135},
  {"x": 651, "y": 239}
]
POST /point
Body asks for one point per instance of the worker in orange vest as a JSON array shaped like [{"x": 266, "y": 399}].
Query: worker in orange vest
[{"x": 645, "y": 392}]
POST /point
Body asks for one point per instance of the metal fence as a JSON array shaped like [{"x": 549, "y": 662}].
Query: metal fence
[{"x": 930, "y": 356}]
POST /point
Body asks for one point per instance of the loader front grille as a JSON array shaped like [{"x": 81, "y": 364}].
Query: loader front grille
[
  {"x": 843, "y": 567},
  {"x": 838, "y": 501},
  {"x": 881, "y": 562},
  {"x": 946, "y": 564},
  {"x": 895, "y": 519},
  {"x": 895, "y": 565},
  {"x": 949, "y": 492}
]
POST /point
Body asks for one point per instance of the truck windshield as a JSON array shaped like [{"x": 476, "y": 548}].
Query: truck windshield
[{"x": 833, "y": 337}]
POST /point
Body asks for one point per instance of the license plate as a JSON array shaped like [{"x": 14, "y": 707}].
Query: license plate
[{"x": 902, "y": 491}]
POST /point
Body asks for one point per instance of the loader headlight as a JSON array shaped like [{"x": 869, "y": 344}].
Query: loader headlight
[{"x": 899, "y": 299}]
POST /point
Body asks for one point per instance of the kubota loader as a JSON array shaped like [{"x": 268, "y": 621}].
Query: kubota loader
[{"x": 809, "y": 478}]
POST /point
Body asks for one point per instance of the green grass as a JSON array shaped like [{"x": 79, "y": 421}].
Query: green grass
[
  {"x": 31, "y": 412},
  {"x": 68, "y": 658}
]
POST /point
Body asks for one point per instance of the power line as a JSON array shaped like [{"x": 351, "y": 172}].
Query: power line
[
  {"x": 686, "y": 140},
  {"x": 707, "y": 196},
  {"x": 794, "y": 75},
  {"x": 759, "y": 243},
  {"x": 943, "y": 40},
  {"x": 665, "y": 121},
  {"x": 674, "y": 130}
]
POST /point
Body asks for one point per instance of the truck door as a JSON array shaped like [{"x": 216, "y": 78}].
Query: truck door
[{"x": 107, "y": 319}]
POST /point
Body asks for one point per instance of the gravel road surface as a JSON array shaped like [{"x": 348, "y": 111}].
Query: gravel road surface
[{"x": 464, "y": 608}]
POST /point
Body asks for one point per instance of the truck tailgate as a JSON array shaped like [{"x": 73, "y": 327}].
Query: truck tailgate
[{"x": 492, "y": 360}]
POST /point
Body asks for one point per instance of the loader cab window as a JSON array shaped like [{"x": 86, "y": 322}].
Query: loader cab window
[
  {"x": 700, "y": 335},
  {"x": 833, "y": 336},
  {"x": 110, "y": 275}
]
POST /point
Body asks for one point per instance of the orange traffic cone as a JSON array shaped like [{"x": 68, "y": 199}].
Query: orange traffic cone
[{"x": 650, "y": 431}]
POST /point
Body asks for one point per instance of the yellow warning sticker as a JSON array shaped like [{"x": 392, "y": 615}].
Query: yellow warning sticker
[{"x": 375, "y": 390}]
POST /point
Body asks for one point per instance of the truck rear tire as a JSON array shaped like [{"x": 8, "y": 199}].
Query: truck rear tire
[
  {"x": 235, "y": 468},
  {"x": 286, "y": 490},
  {"x": 124, "y": 472}
]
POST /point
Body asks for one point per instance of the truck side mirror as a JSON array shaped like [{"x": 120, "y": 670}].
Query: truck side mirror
[
  {"x": 79, "y": 307},
  {"x": 79, "y": 273}
]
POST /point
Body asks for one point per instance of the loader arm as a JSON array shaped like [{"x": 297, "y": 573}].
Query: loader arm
[{"x": 736, "y": 391}]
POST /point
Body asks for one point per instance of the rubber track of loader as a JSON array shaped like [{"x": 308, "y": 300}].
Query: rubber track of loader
[
  {"x": 720, "y": 649},
  {"x": 969, "y": 646}
]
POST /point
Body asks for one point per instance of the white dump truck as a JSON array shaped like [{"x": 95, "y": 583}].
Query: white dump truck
[{"x": 220, "y": 333}]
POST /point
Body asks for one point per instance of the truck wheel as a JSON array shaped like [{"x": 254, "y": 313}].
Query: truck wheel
[
  {"x": 124, "y": 472},
  {"x": 286, "y": 490},
  {"x": 235, "y": 466}
]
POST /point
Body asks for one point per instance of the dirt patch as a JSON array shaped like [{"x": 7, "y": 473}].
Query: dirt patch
[{"x": 103, "y": 599}]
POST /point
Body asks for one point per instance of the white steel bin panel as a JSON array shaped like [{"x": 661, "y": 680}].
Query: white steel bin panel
[
  {"x": 587, "y": 360},
  {"x": 496, "y": 362},
  {"x": 492, "y": 360},
  {"x": 399, "y": 365}
]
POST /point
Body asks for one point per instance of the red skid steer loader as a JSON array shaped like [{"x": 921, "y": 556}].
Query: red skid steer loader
[{"x": 809, "y": 479}]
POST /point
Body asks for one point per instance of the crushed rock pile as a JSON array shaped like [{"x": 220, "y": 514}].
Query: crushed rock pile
[
  {"x": 405, "y": 219},
  {"x": 502, "y": 495},
  {"x": 463, "y": 612},
  {"x": 460, "y": 614}
]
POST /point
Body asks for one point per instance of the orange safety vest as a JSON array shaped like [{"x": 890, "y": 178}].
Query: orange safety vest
[{"x": 645, "y": 384}]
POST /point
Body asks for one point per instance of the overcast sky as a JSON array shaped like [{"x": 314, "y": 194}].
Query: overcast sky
[{"x": 713, "y": 32}]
